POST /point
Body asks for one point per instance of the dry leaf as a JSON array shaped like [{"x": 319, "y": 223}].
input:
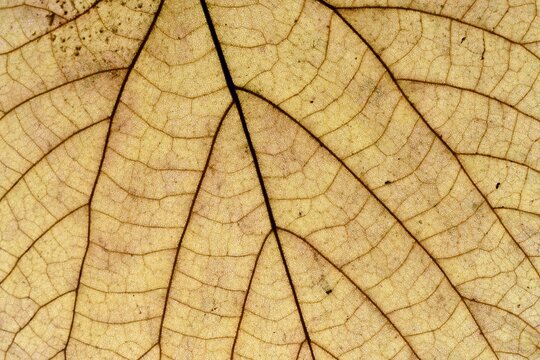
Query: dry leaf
[{"x": 358, "y": 179}]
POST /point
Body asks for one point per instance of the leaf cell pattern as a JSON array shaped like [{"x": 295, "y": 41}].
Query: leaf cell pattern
[{"x": 346, "y": 179}]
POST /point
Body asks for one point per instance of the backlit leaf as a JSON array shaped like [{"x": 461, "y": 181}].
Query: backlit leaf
[{"x": 230, "y": 179}]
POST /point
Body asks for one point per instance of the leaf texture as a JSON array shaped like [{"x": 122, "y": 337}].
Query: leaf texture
[{"x": 269, "y": 180}]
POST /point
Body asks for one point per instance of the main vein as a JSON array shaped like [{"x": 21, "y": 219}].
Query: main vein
[{"x": 236, "y": 100}]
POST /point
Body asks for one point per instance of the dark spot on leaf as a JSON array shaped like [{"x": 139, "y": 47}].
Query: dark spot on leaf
[
  {"x": 463, "y": 39},
  {"x": 51, "y": 18},
  {"x": 329, "y": 291},
  {"x": 387, "y": 182},
  {"x": 498, "y": 185}
]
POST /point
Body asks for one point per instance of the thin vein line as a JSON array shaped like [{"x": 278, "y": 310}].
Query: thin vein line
[
  {"x": 460, "y": 21},
  {"x": 48, "y": 91},
  {"x": 38, "y": 238},
  {"x": 495, "y": 157},
  {"x": 464, "y": 89},
  {"x": 51, "y": 30},
  {"x": 247, "y": 294},
  {"x": 48, "y": 153}
]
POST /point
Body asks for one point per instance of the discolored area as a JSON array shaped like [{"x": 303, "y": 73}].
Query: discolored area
[{"x": 276, "y": 179}]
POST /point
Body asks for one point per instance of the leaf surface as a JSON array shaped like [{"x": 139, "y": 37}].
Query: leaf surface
[{"x": 269, "y": 180}]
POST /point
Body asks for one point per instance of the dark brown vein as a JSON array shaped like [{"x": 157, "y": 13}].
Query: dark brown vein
[
  {"x": 47, "y": 153},
  {"x": 395, "y": 81},
  {"x": 234, "y": 95},
  {"x": 37, "y": 239},
  {"x": 107, "y": 137},
  {"x": 184, "y": 231},
  {"x": 33, "y": 7},
  {"x": 372, "y": 193},
  {"x": 426, "y": 82},
  {"x": 495, "y": 157},
  {"x": 353, "y": 283},
  {"x": 247, "y": 294},
  {"x": 514, "y": 209},
  {"x": 59, "y": 86},
  {"x": 443, "y": 17},
  {"x": 507, "y": 312},
  {"x": 23, "y": 326}
]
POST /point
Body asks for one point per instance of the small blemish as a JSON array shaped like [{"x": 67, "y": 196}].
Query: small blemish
[
  {"x": 498, "y": 185},
  {"x": 463, "y": 39},
  {"x": 51, "y": 18},
  {"x": 387, "y": 182},
  {"x": 328, "y": 292}
]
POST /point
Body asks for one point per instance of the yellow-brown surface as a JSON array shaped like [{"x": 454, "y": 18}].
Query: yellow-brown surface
[{"x": 243, "y": 179}]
